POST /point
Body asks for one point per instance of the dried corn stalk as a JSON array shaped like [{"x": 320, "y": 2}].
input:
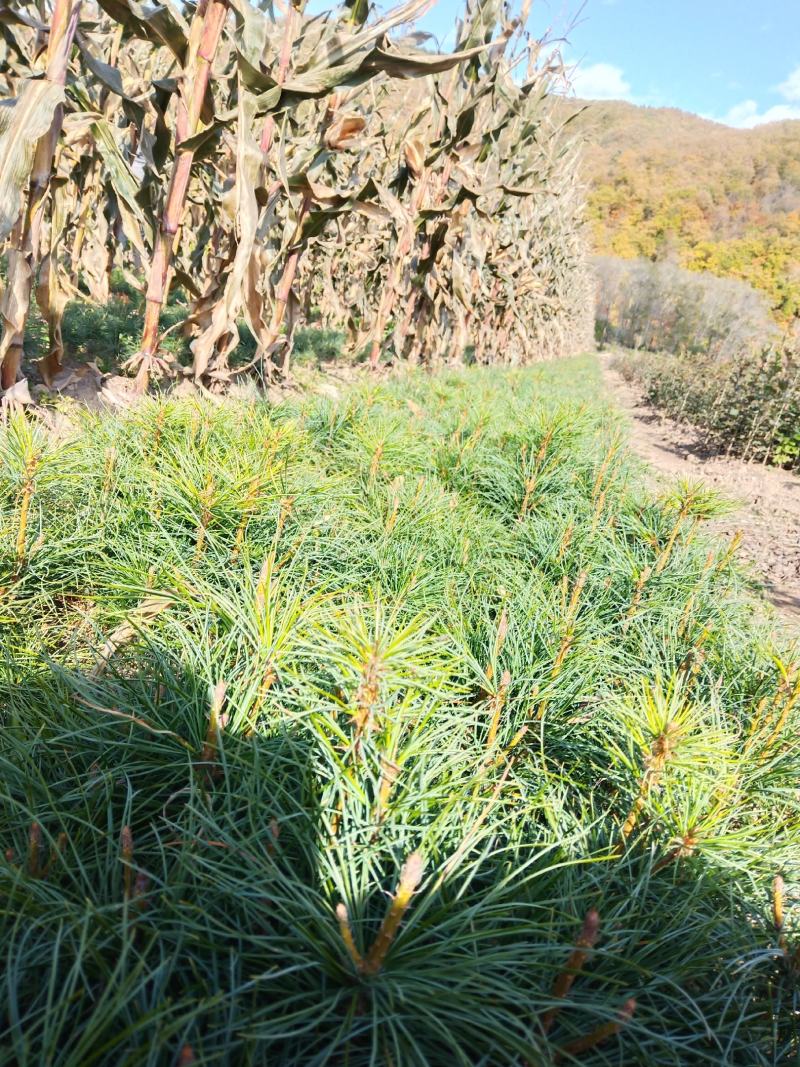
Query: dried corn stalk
[{"x": 267, "y": 169}]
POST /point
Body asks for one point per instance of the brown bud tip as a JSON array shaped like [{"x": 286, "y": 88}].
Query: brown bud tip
[
  {"x": 591, "y": 927},
  {"x": 126, "y": 841},
  {"x": 626, "y": 1011},
  {"x": 186, "y": 1057},
  {"x": 9, "y": 854}
]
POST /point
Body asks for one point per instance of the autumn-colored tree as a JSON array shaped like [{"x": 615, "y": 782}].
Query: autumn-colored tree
[{"x": 666, "y": 185}]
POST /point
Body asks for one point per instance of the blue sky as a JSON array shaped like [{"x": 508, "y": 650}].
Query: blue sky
[{"x": 736, "y": 61}]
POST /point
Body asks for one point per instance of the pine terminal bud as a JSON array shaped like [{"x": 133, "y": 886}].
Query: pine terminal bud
[{"x": 778, "y": 895}]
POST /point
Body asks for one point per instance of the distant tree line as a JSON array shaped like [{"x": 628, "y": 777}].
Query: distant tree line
[
  {"x": 666, "y": 185},
  {"x": 661, "y": 307},
  {"x": 708, "y": 352}
]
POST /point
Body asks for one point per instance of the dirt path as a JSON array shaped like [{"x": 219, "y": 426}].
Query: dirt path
[{"x": 769, "y": 515}]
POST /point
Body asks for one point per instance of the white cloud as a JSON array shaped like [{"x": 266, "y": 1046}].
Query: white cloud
[
  {"x": 746, "y": 114},
  {"x": 790, "y": 89},
  {"x": 600, "y": 81}
]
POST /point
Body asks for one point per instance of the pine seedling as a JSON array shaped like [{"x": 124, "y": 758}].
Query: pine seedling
[
  {"x": 26, "y": 495},
  {"x": 577, "y": 958},
  {"x": 372, "y": 963},
  {"x": 34, "y": 862},
  {"x": 410, "y": 877},
  {"x": 346, "y": 932},
  {"x": 534, "y": 475},
  {"x": 496, "y": 705},
  {"x": 565, "y": 541},
  {"x": 248, "y": 506},
  {"x": 644, "y": 577},
  {"x": 126, "y": 856},
  {"x": 206, "y": 500},
  {"x": 601, "y": 1033},
  {"x": 792, "y": 697},
  {"x": 568, "y": 633},
  {"x": 216, "y": 724},
  {"x": 690, "y": 501},
  {"x": 667, "y": 721},
  {"x": 778, "y": 899}
]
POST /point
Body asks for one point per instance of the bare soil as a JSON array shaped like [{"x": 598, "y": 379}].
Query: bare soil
[{"x": 769, "y": 498}]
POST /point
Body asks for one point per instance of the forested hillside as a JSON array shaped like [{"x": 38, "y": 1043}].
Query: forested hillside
[{"x": 669, "y": 185}]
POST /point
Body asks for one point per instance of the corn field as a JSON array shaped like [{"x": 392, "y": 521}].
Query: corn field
[{"x": 273, "y": 168}]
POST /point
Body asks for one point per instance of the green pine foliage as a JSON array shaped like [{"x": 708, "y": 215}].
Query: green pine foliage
[{"x": 403, "y": 728}]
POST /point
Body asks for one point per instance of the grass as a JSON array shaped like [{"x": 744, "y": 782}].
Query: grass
[
  {"x": 109, "y": 333},
  {"x": 401, "y": 729}
]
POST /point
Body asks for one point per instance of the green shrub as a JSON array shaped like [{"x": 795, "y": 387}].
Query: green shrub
[{"x": 749, "y": 405}]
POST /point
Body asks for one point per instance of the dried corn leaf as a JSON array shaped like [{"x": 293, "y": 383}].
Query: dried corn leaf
[{"x": 149, "y": 609}]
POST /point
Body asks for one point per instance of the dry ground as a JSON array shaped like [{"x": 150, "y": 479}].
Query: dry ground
[{"x": 769, "y": 498}]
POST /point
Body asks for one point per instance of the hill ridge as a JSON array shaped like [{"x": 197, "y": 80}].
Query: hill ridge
[
  {"x": 669, "y": 184},
  {"x": 706, "y": 120}
]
